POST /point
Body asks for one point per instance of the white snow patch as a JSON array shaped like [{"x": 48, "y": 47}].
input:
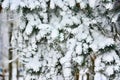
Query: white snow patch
[
  {"x": 99, "y": 76},
  {"x": 5, "y": 3},
  {"x": 109, "y": 71},
  {"x": 92, "y": 3},
  {"x": 29, "y": 29},
  {"x": 78, "y": 59},
  {"x": 14, "y": 4},
  {"x": 55, "y": 33},
  {"x": 52, "y": 4},
  {"x": 109, "y": 6},
  {"x": 78, "y": 49}
]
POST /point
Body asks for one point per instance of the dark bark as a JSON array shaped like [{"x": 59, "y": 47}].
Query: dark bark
[
  {"x": 17, "y": 70},
  {"x": 0, "y": 8},
  {"x": 10, "y": 51},
  {"x": 77, "y": 75},
  {"x": 91, "y": 69}
]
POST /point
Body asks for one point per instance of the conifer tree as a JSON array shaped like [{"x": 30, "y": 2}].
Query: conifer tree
[{"x": 67, "y": 39}]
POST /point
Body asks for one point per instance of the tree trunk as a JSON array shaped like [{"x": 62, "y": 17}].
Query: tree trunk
[
  {"x": 10, "y": 51},
  {"x": 91, "y": 68},
  {"x": 17, "y": 69}
]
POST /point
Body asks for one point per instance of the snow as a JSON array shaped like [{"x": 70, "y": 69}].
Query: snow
[
  {"x": 78, "y": 59},
  {"x": 101, "y": 64},
  {"x": 29, "y": 29},
  {"x": 83, "y": 71},
  {"x": 98, "y": 65},
  {"x": 82, "y": 5},
  {"x": 71, "y": 3},
  {"x": 109, "y": 71},
  {"x": 32, "y": 4},
  {"x": 78, "y": 49},
  {"x": 54, "y": 33},
  {"x": 5, "y": 4},
  {"x": 66, "y": 21},
  {"x": 78, "y": 1},
  {"x": 81, "y": 32},
  {"x": 99, "y": 76},
  {"x": 75, "y": 20},
  {"x": 14, "y": 4},
  {"x": 109, "y": 6},
  {"x": 114, "y": 18},
  {"x": 61, "y": 36},
  {"x": 92, "y": 3},
  {"x": 52, "y": 4},
  {"x": 22, "y": 25},
  {"x": 60, "y": 3},
  {"x": 34, "y": 62},
  {"x": 110, "y": 56},
  {"x": 67, "y": 58},
  {"x": 71, "y": 44},
  {"x": 67, "y": 72},
  {"x": 47, "y": 45},
  {"x": 98, "y": 42}
]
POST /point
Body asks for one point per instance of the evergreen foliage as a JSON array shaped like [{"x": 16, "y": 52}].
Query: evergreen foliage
[{"x": 60, "y": 39}]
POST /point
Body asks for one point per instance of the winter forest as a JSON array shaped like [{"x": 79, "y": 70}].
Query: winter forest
[{"x": 59, "y": 39}]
